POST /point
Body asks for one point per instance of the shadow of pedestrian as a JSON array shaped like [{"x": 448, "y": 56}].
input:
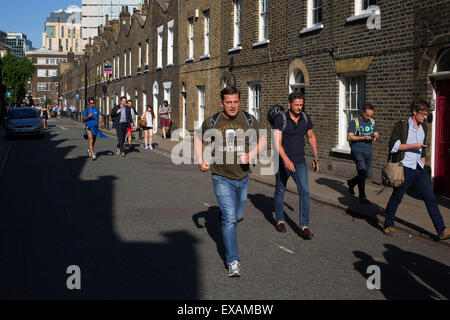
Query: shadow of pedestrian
[
  {"x": 265, "y": 205},
  {"x": 352, "y": 204},
  {"x": 211, "y": 223},
  {"x": 407, "y": 275}
]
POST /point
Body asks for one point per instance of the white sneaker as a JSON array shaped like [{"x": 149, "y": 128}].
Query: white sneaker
[
  {"x": 150, "y": 147},
  {"x": 146, "y": 148},
  {"x": 233, "y": 269}
]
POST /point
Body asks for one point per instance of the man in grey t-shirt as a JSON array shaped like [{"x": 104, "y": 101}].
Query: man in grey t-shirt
[{"x": 164, "y": 113}]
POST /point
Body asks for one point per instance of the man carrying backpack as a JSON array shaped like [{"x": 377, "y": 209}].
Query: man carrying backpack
[
  {"x": 362, "y": 131},
  {"x": 230, "y": 177},
  {"x": 290, "y": 130}
]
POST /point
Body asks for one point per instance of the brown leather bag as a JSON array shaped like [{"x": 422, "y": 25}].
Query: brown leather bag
[
  {"x": 142, "y": 123},
  {"x": 392, "y": 174}
]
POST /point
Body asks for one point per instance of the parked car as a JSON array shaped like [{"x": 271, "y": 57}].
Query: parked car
[{"x": 24, "y": 121}]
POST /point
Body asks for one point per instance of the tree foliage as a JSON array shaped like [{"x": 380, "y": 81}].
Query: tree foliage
[{"x": 15, "y": 76}]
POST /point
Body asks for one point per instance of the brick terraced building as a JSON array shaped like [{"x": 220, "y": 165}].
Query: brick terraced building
[{"x": 341, "y": 54}]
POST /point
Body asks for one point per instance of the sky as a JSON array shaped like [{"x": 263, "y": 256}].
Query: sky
[{"x": 28, "y": 16}]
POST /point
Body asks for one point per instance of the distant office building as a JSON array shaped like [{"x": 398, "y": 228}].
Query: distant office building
[
  {"x": 63, "y": 31},
  {"x": 18, "y": 44},
  {"x": 95, "y": 11}
]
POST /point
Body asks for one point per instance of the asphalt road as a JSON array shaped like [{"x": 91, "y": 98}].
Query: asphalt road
[{"x": 142, "y": 228}]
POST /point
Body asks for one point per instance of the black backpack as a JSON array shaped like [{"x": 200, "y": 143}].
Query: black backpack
[{"x": 276, "y": 110}]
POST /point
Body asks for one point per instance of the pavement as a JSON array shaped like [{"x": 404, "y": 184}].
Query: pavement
[
  {"x": 411, "y": 217},
  {"x": 140, "y": 227}
]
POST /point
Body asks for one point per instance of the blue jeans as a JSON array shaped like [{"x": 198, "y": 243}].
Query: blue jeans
[
  {"x": 363, "y": 163},
  {"x": 421, "y": 181},
  {"x": 231, "y": 196},
  {"x": 300, "y": 177}
]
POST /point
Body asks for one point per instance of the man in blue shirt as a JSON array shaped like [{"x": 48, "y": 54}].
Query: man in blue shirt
[
  {"x": 91, "y": 117},
  {"x": 410, "y": 151},
  {"x": 289, "y": 140},
  {"x": 362, "y": 131}
]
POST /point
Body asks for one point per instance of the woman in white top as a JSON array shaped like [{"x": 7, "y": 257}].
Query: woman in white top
[{"x": 149, "y": 117}]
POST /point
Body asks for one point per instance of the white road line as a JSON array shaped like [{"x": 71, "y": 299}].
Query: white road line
[
  {"x": 63, "y": 128},
  {"x": 287, "y": 250},
  {"x": 205, "y": 204}
]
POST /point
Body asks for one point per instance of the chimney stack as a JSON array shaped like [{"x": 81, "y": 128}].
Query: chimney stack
[{"x": 107, "y": 20}]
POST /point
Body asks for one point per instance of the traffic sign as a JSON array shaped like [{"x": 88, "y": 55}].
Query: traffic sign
[
  {"x": 77, "y": 96},
  {"x": 8, "y": 94}
]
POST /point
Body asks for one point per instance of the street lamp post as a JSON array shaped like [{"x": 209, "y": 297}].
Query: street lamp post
[{"x": 85, "y": 77}]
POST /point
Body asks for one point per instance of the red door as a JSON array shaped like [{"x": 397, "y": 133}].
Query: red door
[{"x": 442, "y": 165}]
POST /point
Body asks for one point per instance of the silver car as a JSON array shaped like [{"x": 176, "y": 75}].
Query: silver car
[{"x": 24, "y": 121}]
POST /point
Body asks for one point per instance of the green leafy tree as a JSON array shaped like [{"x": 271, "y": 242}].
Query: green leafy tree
[{"x": 16, "y": 75}]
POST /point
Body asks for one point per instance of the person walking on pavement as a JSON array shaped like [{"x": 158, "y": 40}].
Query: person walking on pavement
[
  {"x": 45, "y": 114},
  {"x": 133, "y": 125},
  {"x": 230, "y": 180},
  {"x": 121, "y": 117},
  {"x": 92, "y": 116},
  {"x": 362, "y": 131},
  {"x": 149, "y": 117},
  {"x": 290, "y": 130},
  {"x": 407, "y": 146},
  {"x": 164, "y": 113}
]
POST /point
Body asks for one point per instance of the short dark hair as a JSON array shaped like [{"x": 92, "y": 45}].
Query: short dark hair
[
  {"x": 123, "y": 97},
  {"x": 368, "y": 106},
  {"x": 419, "y": 105},
  {"x": 130, "y": 101},
  {"x": 91, "y": 99},
  {"x": 296, "y": 95},
  {"x": 229, "y": 91}
]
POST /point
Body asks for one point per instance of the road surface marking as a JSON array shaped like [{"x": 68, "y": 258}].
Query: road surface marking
[
  {"x": 205, "y": 204},
  {"x": 287, "y": 250}
]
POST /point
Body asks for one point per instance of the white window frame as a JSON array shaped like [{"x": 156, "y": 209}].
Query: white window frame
[
  {"x": 114, "y": 67},
  {"x": 263, "y": 20},
  {"x": 147, "y": 54},
  {"x": 42, "y": 86},
  {"x": 52, "y": 61},
  {"x": 191, "y": 38},
  {"x": 254, "y": 100},
  {"x": 125, "y": 63},
  {"x": 160, "y": 31},
  {"x": 42, "y": 73},
  {"x": 52, "y": 73},
  {"x": 310, "y": 24},
  {"x": 293, "y": 84},
  {"x": 350, "y": 105},
  {"x": 130, "y": 69},
  {"x": 206, "y": 14},
  {"x": 140, "y": 57},
  {"x": 237, "y": 15},
  {"x": 42, "y": 61},
  {"x": 361, "y": 13},
  {"x": 201, "y": 104},
  {"x": 170, "y": 43},
  {"x": 167, "y": 86}
]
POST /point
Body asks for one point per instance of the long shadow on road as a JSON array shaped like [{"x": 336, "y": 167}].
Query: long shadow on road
[
  {"x": 407, "y": 275},
  {"x": 53, "y": 219}
]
